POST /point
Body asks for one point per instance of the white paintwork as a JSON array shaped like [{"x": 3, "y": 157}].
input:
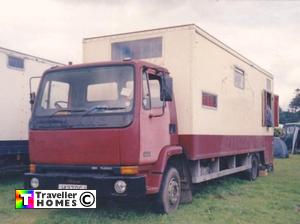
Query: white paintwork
[
  {"x": 199, "y": 62},
  {"x": 14, "y": 93}
]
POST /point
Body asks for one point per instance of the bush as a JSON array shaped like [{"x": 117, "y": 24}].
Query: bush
[{"x": 278, "y": 132}]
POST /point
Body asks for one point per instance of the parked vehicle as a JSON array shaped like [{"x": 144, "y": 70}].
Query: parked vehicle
[
  {"x": 280, "y": 148},
  {"x": 121, "y": 128},
  {"x": 15, "y": 71},
  {"x": 291, "y": 136}
]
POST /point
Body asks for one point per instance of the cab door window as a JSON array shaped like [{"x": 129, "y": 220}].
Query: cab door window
[
  {"x": 151, "y": 91},
  {"x": 146, "y": 94},
  {"x": 155, "y": 88}
]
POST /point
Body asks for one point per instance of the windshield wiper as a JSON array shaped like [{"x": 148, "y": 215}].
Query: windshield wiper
[
  {"x": 67, "y": 110},
  {"x": 102, "y": 108}
]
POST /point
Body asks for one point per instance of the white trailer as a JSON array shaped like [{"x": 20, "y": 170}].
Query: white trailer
[{"x": 15, "y": 71}]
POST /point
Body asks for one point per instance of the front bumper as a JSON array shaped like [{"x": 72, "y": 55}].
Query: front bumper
[{"x": 136, "y": 185}]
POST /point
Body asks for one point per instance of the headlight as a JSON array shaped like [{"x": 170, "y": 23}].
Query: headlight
[
  {"x": 120, "y": 186},
  {"x": 34, "y": 182}
]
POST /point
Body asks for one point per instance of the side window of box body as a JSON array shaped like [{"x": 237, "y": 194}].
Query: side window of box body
[
  {"x": 267, "y": 109},
  {"x": 239, "y": 78},
  {"x": 209, "y": 100},
  {"x": 137, "y": 49}
]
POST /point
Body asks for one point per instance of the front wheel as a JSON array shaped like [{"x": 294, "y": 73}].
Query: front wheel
[{"x": 170, "y": 191}]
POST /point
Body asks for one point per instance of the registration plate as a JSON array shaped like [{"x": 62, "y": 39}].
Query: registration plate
[{"x": 72, "y": 187}]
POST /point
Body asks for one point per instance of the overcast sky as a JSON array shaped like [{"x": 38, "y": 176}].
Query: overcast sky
[{"x": 265, "y": 31}]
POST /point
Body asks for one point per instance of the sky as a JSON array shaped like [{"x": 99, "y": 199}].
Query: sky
[{"x": 265, "y": 31}]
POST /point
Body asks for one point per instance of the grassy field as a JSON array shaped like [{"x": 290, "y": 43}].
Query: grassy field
[{"x": 272, "y": 199}]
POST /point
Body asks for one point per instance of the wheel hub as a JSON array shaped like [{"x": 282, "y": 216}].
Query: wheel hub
[{"x": 173, "y": 190}]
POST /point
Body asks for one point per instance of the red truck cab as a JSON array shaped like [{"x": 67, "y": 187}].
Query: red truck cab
[{"x": 105, "y": 126}]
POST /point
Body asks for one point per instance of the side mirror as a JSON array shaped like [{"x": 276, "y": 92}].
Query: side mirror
[
  {"x": 167, "y": 89},
  {"x": 32, "y": 99},
  {"x": 32, "y": 94}
]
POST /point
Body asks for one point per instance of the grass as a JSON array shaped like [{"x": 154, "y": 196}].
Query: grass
[{"x": 271, "y": 199}]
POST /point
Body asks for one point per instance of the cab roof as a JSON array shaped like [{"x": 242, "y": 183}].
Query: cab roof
[{"x": 96, "y": 64}]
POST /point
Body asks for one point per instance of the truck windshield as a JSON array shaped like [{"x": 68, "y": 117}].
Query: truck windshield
[{"x": 86, "y": 91}]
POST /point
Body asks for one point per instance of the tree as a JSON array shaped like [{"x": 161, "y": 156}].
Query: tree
[
  {"x": 295, "y": 103},
  {"x": 293, "y": 115},
  {"x": 289, "y": 117}
]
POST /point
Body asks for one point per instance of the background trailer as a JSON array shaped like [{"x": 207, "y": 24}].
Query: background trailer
[
  {"x": 225, "y": 102},
  {"x": 15, "y": 71}
]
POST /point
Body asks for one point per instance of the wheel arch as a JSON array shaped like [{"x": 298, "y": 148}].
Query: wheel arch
[{"x": 168, "y": 155}]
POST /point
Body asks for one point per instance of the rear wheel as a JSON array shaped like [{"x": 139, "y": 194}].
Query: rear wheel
[
  {"x": 170, "y": 191},
  {"x": 252, "y": 173}
]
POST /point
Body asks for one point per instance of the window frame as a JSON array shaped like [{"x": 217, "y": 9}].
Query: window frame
[
  {"x": 132, "y": 45},
  {"x": 211, "y": 94},
  {"x": 36, "y": 109},
  {"x": 160, "y": 89},
  {"x": 267, "y": 96},
  {"x": 49, "y": 91},
  {"x": 143, "y": 94},
  {"x": 240, "y": 71},
  {"x": 149, "y": 90}
]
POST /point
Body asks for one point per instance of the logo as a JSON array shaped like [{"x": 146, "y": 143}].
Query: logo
[
  {"x": 24, "y": 198},
  {"x": 87, "y": 199},
  {"x": 55, "y": 199}
]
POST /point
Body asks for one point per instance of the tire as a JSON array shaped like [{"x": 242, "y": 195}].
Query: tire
[
  {"x": 252, "y": 173},
  {"x": 170, "y": 192}
]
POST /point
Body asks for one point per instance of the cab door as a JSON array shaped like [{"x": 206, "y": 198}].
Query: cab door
[{"x": 155, "y": 119}]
